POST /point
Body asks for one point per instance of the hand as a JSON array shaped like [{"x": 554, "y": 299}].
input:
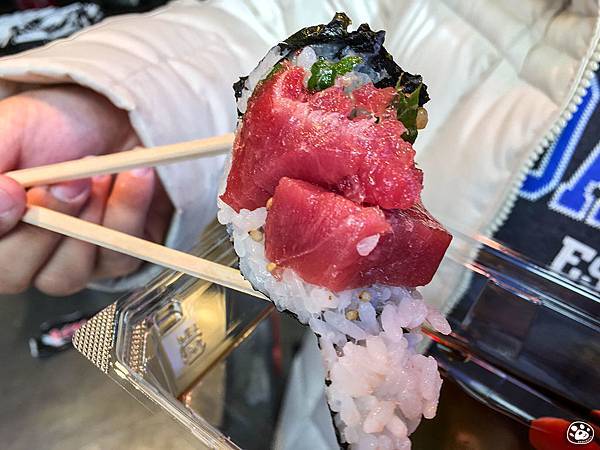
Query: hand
[{"x": 56, "y": 124}]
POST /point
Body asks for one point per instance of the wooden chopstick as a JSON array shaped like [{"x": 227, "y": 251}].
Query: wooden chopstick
[
  {"x": 119, "y": 162},
  {"x": 121, "y": 242},
  {"x": 138, "y": 248}
]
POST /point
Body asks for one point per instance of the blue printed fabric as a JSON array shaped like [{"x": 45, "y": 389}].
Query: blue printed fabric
[{"x": 556, "y": 220}]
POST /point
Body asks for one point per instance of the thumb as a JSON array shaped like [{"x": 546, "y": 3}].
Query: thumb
[{"x": 12, "y": 203}]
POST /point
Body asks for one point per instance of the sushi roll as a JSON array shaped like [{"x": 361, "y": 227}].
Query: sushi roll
[{"x": 321, "y": 197}]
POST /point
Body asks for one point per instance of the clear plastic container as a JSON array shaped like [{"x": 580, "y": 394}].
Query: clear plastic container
[
  {"x": 531, "y": 323},
  {"x": 526, "y": 343}
]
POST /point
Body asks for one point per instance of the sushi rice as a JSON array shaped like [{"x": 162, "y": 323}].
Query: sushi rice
[{"x": 379, "y": 385}]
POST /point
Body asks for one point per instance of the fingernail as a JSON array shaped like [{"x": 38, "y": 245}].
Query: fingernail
[
  {"x": 70, "y": 190},
  {"x": 7, "y": 202},
  {"x": 141, "y": 172}
]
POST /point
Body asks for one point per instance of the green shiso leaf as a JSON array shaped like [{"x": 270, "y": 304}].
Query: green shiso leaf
[
  {"x": 346, "y": 64},
  {"x": 324, "y": 73},
  {"x": 406, "y": 106}
]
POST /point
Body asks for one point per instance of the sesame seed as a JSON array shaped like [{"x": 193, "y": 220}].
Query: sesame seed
[
  {"x": 352, "y": 314},
  {"x": 256, "y": 235},
  {"x": 422, "y": 118},
  {"x": 271, "y": 267},
  {"x": 364, "y": 296},
  {"x": 269, "y": 203}
]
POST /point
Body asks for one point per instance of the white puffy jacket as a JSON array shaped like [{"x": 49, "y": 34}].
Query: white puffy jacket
[{"x": 503, "y": 76}]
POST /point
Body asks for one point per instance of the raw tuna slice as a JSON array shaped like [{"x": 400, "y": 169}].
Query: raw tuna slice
[
  {"x": 410, "y": 254},
  {"x": 319, "y": 235},
  {"x": 289, "y": 131},
  {"x": 369, "y": 98},
  {"x": 333, "y": 99}
]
